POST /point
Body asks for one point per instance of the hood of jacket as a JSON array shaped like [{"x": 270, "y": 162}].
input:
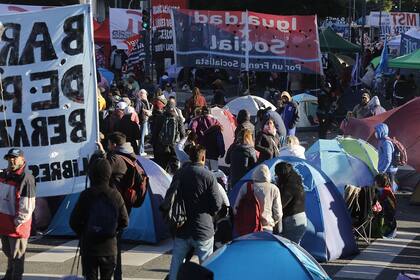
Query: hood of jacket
[
  {"x": 261, "y": 174},
  {"x": 382, "y": 130},
  {"x": 99, "y": 173},
  {"x": 285, "y": 93},
  {"x": 125, "y": 148},
  {"x": 374, "y": 102}
]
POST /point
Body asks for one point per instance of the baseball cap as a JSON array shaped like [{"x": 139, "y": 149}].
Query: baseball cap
[{"x": 14, "y": 152}]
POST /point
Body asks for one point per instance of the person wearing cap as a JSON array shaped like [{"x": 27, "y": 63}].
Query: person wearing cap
[
  {"x": 289, "y": 112},
  {"x": 17, "y": 203},
  {"x": 362, "y": 110}
]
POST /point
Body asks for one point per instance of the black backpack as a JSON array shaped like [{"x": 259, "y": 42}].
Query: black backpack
[
  {"x": 103, "y": 218},
  {"x": 173, "y": 206},
  {"x": 168, "y": 134}
]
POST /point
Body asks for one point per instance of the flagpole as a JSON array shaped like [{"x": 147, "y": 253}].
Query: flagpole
[{"x": 247, "y": 49}]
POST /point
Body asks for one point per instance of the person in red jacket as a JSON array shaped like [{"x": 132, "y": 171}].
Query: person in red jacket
[
  {"x": 17, "y": 203},
  {"x": 196, "y": 101}
]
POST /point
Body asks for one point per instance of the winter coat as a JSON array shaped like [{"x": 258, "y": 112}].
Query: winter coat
[
  {"x": 159, "y": 121},
  {"x": 293, "y": 151},
  {"x": 190, "y": 105},
  {"x": 214, "y": 143},
  {"x": 292, "y": 194},
  {"x": 17, "y": 202},
  {"x": 201, "y": 124},
  {"x": 243, "y": 126},
  {"x": 385, "y": 149},
  {"x": 290, "y": 114},
  {"x": 268, "y": 196},
  {"x": 361, "y": 111},
  {"x": 267, "y": 145},
  {"x": 202, "y": 201},
  {"x": 94, "y": 246},
  {"x": 241, "y": 158},
  {"x": 131, "y": 130}
]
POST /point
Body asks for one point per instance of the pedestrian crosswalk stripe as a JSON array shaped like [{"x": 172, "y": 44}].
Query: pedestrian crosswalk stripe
[
  {"x": 142, "y": 254},
  {"x": 56, "y": 254}
]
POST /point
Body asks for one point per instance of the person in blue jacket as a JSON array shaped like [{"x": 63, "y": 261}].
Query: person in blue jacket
[
  {"x": 288, "y": 110},
  {"x": 385, "y": 152}
]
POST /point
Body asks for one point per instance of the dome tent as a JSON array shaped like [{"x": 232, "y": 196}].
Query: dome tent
[
  {"x": 249, "y": 102},
  {"x": 280, "y": 258},
  {"x": 329, "y": 233},
  {"x": 342, "y": 168},
  {"x": 307, "y": 106},
  {"x": 146, "y": 223}
]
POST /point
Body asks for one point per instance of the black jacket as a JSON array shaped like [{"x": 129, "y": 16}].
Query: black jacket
[
  {"x": 202, "y": 201},
  {"x": 131, "y": 130},
  {"x": 241, "y": 158},
  {"x": 292, "y": 194},
  {"x": 157, "y": 124},
  {"x": 79, "y": 217},
  {"x": 267, "y": 145}
]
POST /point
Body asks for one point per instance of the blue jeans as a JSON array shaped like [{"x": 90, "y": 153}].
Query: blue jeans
[
  {"x": 294, "y": 227},
  {"x": 203, "y": 249},
  {"x": 143, "y": 133}
]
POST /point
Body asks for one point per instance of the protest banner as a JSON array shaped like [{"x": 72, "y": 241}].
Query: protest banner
[
  {"x": 393, "y": 23},
  {"x": 12, "y": 8},
  {"x": 409, "y": 44},
  {"x": 49, "y": 106},
  {"x": 246, "y": 41},
  {"x": 162, "y": 25},
  {"x": 123, "y": 24}
]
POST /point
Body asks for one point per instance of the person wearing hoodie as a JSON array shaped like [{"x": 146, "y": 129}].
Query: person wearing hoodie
[
  {"x": 267, "y": 142},
  {"x": 385, "y": 152},
  {"x": 268, "y": 196},
  {"x": 244, "y": 122},
  {"x": 129, "y": 126},
  {"x": 362, "y": 110},
  {"x": 293, "y": 202},
  {"x": 241, "y": 156},
  {"x": 289, "y": 112},
  {"x": 375, "y": 106},
  {"x": 293, "y": 148},
  {"x": 98, "y": 252}
]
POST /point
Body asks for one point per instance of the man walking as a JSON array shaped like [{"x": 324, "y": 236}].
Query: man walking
[
  {"x": 17, "y": 203},
  {"x": 198, "y": 188}
]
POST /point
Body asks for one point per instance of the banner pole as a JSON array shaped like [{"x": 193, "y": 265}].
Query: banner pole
[{"x": 247, "y": 49}]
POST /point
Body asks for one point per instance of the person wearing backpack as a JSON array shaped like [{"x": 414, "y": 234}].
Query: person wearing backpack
[
  {"x": 200, "y": 195},
  {"x": 386, "y": 152},
  {"x": 126, "y": 176},
  {"x": 265, "y": 209},
  {"x": 167, "y": 130},
  {"x": 98, "y": 216}
]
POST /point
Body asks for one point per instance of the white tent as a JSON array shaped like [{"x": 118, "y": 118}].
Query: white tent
[
  {"x": 251, "y": 103},
  {"x": 307, "y": 108},
  {"x": 229, "y": 125}
]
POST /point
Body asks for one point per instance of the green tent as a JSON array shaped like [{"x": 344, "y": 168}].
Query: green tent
[
  {"x": 331, "y": 42},
  {"x": 408, "y": 61},
  {"x": 362, "y": 150}
]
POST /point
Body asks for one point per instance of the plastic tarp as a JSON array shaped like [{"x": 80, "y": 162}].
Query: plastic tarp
[
  {"x": 332, "y": 42},
  {"x": 262, "y": 255},
  {"x": 307, "y": 108},
  {"x": 340, "y": 167},
  {"x": 228, "y": 121},
  {"x": 329, "y": 233},
  {"x": 403, "y": 123},
  {"x": 408, "y": 61},
  {"x": 146, "y": 222},
  {"x": 249, "y": 102}
]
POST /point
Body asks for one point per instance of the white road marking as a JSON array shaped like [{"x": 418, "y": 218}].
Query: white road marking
[
  {"x": 382, "y": 251},
  {"x": 56, "y": 254},
  {"x": 142, "y": 254}
]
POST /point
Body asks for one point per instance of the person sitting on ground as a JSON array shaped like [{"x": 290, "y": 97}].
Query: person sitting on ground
[
  {"x": 293, "y": 148},
  {"x": 241, "y": 156},
  {"x": 386, "y": 198},
  {"x": 244, "y": 122},
  {"x": 293, "y": 202},
  {"x": 375, "y": 106},
  {"x": 267, "y": 142},
  {"x": 98, "y": 248},
  {"x": 268, "y": 196},
  {"x": 362, "y": 110}
]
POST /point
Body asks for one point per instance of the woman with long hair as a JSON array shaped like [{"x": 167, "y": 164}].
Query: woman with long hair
[
  {"x": 267, "y": 142},
  {"x": 197, "y": 100}
]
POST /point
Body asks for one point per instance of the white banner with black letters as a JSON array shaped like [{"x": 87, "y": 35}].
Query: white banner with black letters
[{"x": 49, "y": 106}]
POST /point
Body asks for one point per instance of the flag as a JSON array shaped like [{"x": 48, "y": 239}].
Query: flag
[
  {"x": 383, "y": 64},
  {"x": 136, "y": 51},
  {"x": 355, "y": 72}
]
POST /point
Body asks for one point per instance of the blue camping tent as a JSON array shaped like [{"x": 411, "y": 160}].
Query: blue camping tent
[
  {"x": 329, "y": 234},
  {"x": 262, "y": 255},
  {"x": 146, "y": 222},
  {"x": 340, "y": 167}
]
